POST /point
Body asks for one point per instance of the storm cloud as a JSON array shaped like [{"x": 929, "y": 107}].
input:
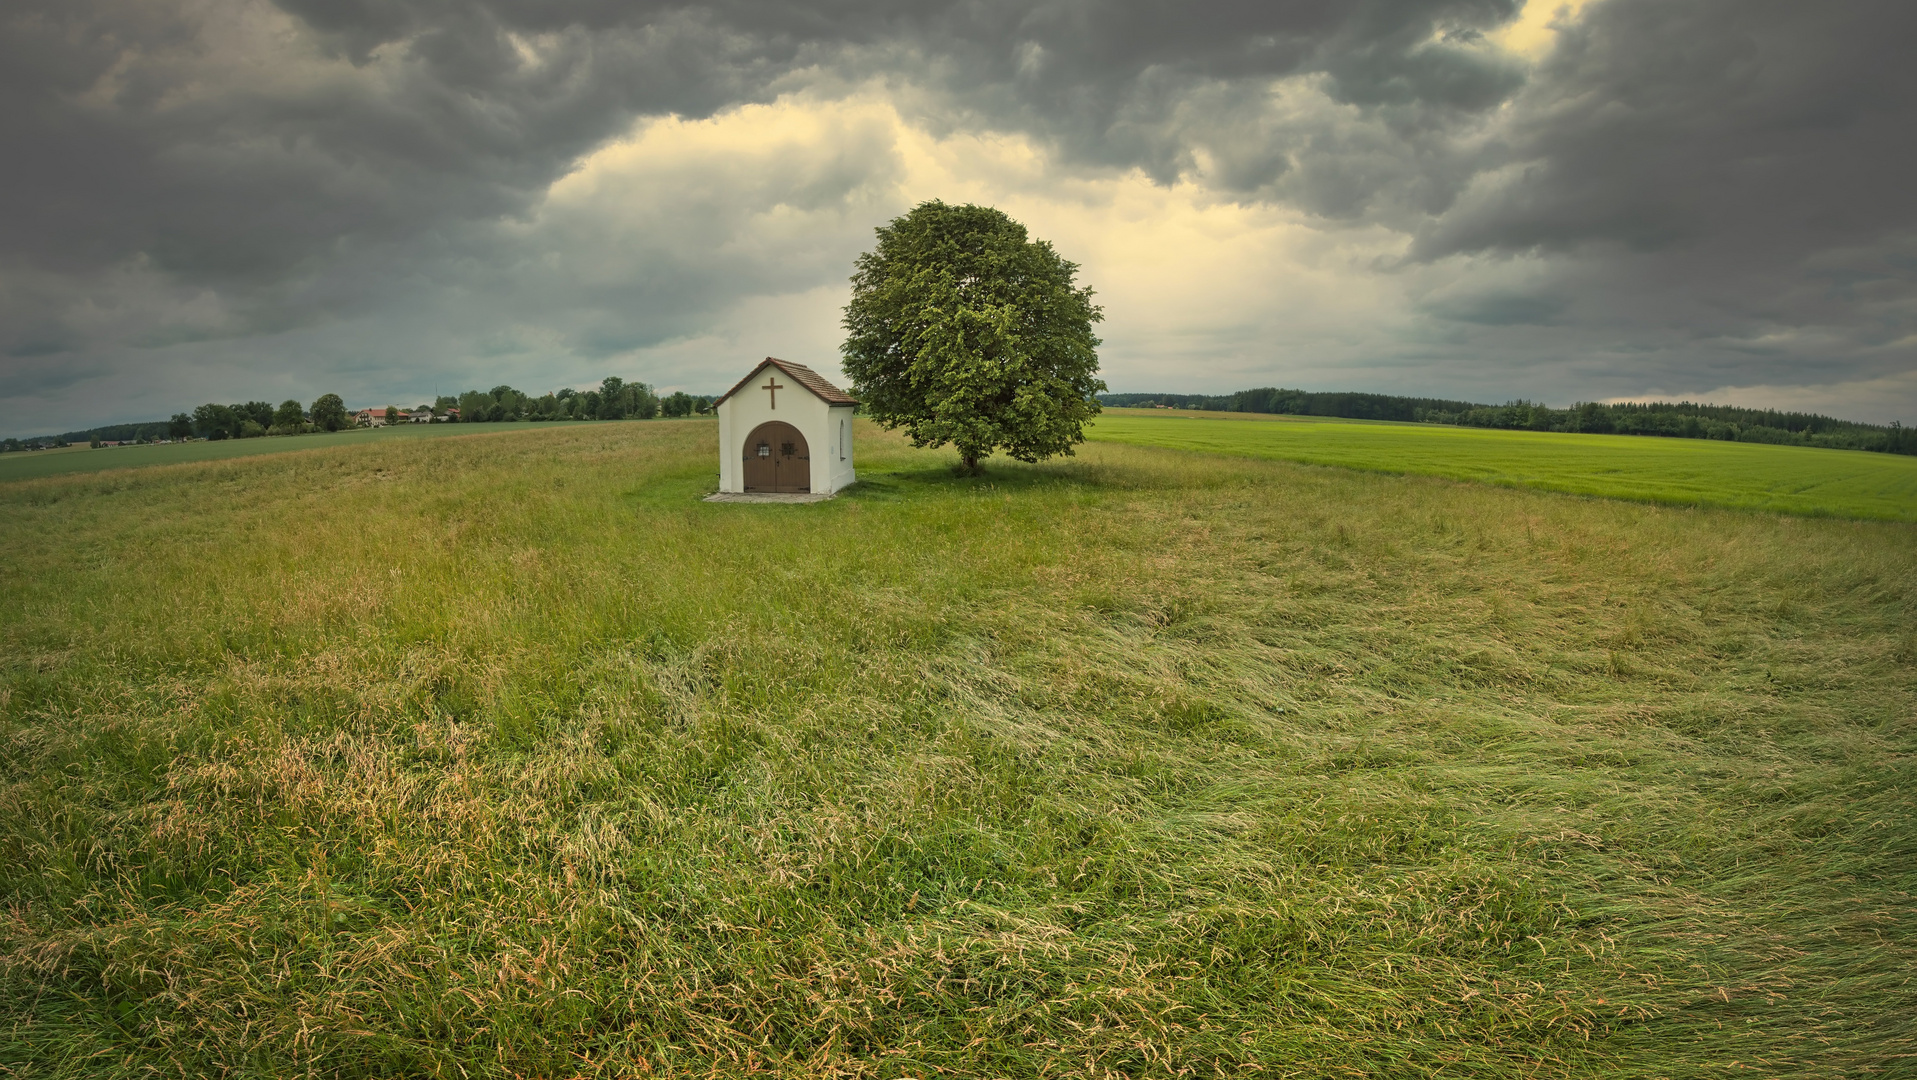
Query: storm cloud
[{"x": 222, "y": 198}]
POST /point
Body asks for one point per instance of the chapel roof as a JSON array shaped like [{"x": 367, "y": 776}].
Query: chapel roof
[{"x": 800, "y": 374}]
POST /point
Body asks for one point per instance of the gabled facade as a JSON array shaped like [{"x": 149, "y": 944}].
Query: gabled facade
[{"x": 784, "y": 428}]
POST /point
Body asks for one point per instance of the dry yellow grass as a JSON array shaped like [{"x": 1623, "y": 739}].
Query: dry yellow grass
[{"x": 506, "y": 756}]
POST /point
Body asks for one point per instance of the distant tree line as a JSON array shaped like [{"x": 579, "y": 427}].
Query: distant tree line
[
  {"x": 1681, "y": 420},
  {"x": 1352, "y": 406},
  {"x": 613, "y": 399}
]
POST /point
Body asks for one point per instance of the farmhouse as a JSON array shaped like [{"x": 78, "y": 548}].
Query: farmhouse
[{"x": 783, "y": 428}]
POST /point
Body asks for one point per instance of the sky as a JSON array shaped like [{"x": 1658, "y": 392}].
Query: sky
[{"x": 226, "y": 200}]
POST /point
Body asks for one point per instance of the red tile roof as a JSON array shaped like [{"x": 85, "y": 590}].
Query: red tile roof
[{"x": 800, "y": 374}]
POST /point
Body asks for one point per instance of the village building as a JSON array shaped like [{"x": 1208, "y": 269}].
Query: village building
[
  {"x": 424, "y": 415},
  {"x": 785, "y": 429}
]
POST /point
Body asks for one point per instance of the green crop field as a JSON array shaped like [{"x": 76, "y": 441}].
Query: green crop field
[
  {"x": 26, "y": 464},
  {"x": 510, "y": 757},
  {"x": 1754, "y": 476}
]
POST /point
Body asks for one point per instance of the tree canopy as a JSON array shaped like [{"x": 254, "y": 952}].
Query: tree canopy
[
  {"x": 329, "y": 413},
  {"x": 961, "y": 329}
]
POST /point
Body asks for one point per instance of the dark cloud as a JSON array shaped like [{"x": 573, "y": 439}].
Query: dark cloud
[
  {"x": 1500, "y": 309},
  {"x": 1681, "y": 191},
  {"x": 249, "y": 150},
  {"x": 1724, "y": 178},
  {"x": 1180, "y": 93},
  {"x": 1778, "y": 125},
  {"x": 227, "y": 152},
  {"x": 227, "y": 148}
]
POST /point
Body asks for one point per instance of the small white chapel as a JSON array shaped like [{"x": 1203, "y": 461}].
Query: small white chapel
[{"x": 784, "y": 429}]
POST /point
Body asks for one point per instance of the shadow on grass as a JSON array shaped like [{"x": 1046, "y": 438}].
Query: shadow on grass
[
  {"x": 911, "y": 476},
  {"x": 909, "y": 481},
  {"x": 997, "y": 478}
]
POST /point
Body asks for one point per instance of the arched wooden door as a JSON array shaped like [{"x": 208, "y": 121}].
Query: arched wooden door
[{"x": 776, "y": 459}]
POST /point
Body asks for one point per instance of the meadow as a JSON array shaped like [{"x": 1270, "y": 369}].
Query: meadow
[
  {"x": 27, "y": 464},
  {"x": 1690, "y": 472},
  {"x": 506, "y": 756}
]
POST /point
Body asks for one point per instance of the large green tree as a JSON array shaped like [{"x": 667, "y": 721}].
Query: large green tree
[
  {"x": 619, "y": 399},
  {"x": 475, "y": 407},
  {"x": 329, "y": 413},
  {"x": 961, "y": 329},
  {"x": 215, "y": 421},
  {"x": 289, "y": 417},
  {"x": 260, "y": 412}
]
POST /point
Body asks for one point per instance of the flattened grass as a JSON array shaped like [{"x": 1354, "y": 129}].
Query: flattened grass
[
  {"x": 1689, "y": 472},
  {"x": 509, "y": 757}
]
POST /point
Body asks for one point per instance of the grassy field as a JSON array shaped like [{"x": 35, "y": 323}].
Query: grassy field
[
  {"x": 1691, "y": 472},
  {"x": 24, "y": 465},
  {"x": 507, "y": 756}
]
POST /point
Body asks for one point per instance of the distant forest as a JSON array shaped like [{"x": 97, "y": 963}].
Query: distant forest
[
  {"x": 1682, "y": 420},
  {"x": 613, "y": 399}
]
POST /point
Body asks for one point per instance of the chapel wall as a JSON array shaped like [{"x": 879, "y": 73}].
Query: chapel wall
[
  {"x": 750, "y": 407},
  {"x": 839, "y": 464}
]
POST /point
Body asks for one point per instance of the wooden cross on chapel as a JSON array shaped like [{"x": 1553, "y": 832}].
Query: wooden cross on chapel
[{"x": 772, "y": 389}]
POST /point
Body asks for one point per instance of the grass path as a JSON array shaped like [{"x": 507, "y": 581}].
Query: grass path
[
  {"x": 507, "y": 757},
  {"x": 1752, "y": 476}
]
